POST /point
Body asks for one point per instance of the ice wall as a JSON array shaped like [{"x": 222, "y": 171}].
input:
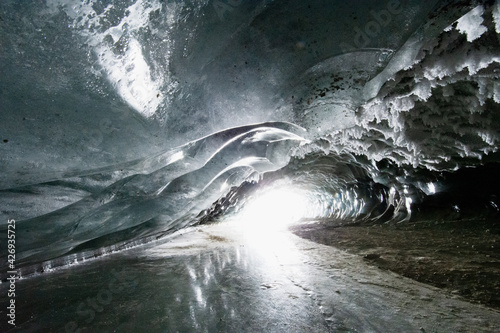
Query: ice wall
[{"x": 124, "y": 121}]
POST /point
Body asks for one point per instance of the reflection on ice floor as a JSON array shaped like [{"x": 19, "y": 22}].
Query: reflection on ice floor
[{"x": 216, "y": 278}]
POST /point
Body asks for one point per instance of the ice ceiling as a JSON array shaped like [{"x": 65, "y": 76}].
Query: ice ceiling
[{"x": 124, "y": 121}]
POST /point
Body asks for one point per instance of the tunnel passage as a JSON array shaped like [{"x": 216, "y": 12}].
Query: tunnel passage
[{"x": 125, "y": 123}]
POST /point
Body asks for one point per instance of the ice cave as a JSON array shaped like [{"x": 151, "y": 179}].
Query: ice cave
[{"x": 250, "y": 166}]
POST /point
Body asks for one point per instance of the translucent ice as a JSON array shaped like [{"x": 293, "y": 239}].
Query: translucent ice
[{"x": 124, "y": 122}]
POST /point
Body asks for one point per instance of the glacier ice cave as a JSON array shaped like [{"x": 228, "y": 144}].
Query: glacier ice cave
[{"x": 250, "y": 165}]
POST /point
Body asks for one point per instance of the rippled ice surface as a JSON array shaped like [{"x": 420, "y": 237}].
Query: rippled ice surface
[
  {"x": 123, "y": 123},
  {"x": 216, "y": 278}
]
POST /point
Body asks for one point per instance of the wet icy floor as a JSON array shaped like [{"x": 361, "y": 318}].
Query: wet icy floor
[{"x": 227, "y": 278}]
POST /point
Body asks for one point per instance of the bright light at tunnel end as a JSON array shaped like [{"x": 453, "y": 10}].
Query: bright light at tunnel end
[{"x": 274, "y": 209}]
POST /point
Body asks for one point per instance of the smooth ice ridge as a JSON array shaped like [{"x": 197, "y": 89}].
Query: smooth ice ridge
[{"x": 167, "y": 195}]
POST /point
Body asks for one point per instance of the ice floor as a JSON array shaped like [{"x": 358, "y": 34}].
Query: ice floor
[{"x": 226, "y": 278}]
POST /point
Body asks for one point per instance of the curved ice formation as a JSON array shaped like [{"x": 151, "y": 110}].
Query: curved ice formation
[
  {"x": 123, "y": 122},
  {"x": 167, "y": 196}
]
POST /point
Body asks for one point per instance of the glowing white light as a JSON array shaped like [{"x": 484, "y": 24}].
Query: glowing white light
[
  {"x": 432, "y": 188},
  {"x": 263, "y": 222},
  {"x": 274, "y": 210}
]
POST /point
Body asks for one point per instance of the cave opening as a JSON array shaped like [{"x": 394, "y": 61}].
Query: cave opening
[{"x": 257, "y": 165}]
